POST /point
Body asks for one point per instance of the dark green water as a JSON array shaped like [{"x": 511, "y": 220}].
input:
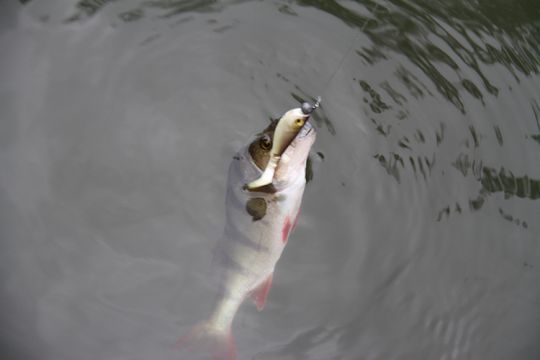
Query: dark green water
[{"x": 419, "y": 236}]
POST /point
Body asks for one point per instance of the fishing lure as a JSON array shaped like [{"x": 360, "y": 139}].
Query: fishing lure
[{"x": 288, "y": 126}]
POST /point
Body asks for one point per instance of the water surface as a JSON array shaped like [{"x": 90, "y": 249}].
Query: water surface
[{"x": 418, "y": 237}]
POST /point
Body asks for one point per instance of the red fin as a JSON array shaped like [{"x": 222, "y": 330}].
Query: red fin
[
  {"x": 288, "y": 227},
  {"x": 203, "y": 337},
  {"x": 286, "y": 230},
  {"x": 260, "y": 294}
]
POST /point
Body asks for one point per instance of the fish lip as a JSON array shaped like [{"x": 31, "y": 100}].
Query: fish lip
[{"x": 306, "y": 130}]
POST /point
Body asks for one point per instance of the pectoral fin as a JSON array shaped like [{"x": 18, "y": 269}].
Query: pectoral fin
[{"x": 260, "y": 293}]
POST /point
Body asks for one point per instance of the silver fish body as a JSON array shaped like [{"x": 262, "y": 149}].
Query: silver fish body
[
  {"x": 258, "y": 224},
  {"x": 247, "y": 253}
]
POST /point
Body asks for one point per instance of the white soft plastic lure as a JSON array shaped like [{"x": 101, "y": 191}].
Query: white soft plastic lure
[{"x": 258, "y": 224}]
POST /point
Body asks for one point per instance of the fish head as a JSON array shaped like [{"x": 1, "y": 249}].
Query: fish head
[{"x": 293, "y": 159}]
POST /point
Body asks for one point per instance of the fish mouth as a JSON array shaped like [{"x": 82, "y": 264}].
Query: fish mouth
[
  {"x": 293, "y": 160},
  {"x": 305, "y": 133},
  {"x": 301, "y": 143},
  {"x": 306, "y": 130}
]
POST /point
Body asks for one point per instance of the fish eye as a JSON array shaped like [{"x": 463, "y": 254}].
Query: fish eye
[
  {"x": 299, "y": 122},
  {"x": 265, "y": 142}
]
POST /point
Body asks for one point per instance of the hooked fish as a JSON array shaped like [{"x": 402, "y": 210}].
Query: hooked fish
[{"x": 259, "y": 220}]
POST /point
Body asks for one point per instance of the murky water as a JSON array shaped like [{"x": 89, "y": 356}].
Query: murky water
[{"x": 419, "y": 235}]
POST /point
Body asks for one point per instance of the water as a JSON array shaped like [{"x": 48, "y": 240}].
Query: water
[{"x": 418, "y": 237}]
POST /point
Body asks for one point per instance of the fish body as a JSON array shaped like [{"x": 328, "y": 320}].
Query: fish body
[{"x": 257, "y": 228}]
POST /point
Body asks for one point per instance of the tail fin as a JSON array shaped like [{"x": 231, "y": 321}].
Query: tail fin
[{"x": 205, "y": 337}]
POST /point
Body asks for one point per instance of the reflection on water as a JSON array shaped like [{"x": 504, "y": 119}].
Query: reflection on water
[
  {"x": 536, "y": 112},
  {"x": 438, "y": 34},
  {"x": 493, "y": 181},
  {"x": 452, "y": 44},
  {"x": 165, "y": 8}
]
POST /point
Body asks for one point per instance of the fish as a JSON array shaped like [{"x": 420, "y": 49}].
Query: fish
[{"x": 258, "y": 223}]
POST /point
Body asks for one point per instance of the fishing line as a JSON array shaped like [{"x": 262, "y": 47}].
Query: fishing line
[{"x": 344, "y": 57}]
